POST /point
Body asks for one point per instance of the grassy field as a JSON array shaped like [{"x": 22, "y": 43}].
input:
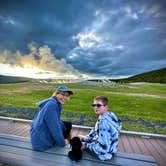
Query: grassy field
[{"x": 141, "y": 107}]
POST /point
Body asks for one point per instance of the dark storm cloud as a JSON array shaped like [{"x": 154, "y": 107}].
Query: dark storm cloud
[{"x": 103, "y": 38}]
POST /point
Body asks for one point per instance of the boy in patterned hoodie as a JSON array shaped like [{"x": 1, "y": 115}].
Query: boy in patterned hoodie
[{"x": 103, "y": 138}]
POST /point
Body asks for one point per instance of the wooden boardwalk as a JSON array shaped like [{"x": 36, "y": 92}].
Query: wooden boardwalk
[{"x": 131, "y": 143}]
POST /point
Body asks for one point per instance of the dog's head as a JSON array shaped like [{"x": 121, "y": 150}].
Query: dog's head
[
  {"x": 76, "y": 152},
  {"x": 75, "y": 143}
]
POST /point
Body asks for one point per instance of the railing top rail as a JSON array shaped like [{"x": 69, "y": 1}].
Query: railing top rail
[{"x": 148, "y": 135}]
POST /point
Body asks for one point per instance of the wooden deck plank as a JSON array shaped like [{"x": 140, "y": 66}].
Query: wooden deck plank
[
  {"x": 141, "y": 144},
  {"x": 42, "y": 157},
  {"x": 161, "y": 144},
  {"x": 74, "y": 132},
  {"x": 152, "y": 150},
  {"x": 120, "y": 145},
  {"x": 122, "y": 148},
  {"x": 126, "y": 144},
  {"x": 12, "y": 159},
  {"x": 160, "y": 152},
  {"x": 134, "y": 146}
]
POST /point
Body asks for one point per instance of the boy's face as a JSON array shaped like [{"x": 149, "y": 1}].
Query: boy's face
[{"x": 99, "y": 107}]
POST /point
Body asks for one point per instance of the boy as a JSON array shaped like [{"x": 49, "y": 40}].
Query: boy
[{"x": 103, "y": 139}]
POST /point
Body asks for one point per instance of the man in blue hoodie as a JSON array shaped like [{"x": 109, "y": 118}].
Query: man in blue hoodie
[{"x": 47, "y": 128}]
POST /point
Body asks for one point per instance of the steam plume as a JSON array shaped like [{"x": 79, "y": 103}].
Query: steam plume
[{"x": 40, "y": 57}]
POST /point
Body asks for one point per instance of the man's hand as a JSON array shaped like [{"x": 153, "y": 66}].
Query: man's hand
[{"x": 67, "y": 141}]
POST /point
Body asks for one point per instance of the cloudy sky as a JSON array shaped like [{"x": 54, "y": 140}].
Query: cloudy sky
[{"x": 101, "y": 38}]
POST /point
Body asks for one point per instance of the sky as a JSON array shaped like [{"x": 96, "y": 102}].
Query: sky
[{"x": 82, "y": 38}]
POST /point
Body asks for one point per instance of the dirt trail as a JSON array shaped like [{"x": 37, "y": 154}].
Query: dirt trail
[{"x": 139, "y": 94}]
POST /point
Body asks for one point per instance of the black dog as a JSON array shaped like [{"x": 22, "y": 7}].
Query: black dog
[{"x": 76, "y": 152}]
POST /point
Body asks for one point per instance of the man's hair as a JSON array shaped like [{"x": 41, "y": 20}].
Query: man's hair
[
  {"x": 54, "y": 94},
  {"x": 103, "y": 99}
]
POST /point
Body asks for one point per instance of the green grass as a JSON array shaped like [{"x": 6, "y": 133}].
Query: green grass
[
  {"x": 131, "y": 109},
  {"x": 146, "y": 88}
]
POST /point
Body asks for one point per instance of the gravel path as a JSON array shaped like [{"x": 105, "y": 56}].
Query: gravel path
[{"x": 138, "y": 94}]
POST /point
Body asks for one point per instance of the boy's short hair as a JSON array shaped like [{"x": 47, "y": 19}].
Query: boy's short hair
[{"x": 103, "y": 99}]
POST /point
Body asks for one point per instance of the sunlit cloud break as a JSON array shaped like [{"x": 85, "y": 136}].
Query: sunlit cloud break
[
  {"x": 39, "y": 63},
  {"x": 30, "y": 72}
]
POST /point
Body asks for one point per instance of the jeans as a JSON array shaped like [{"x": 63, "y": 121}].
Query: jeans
[{"x": 68, "y": 126}]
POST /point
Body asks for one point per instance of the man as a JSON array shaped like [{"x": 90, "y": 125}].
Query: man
[{"x": 47, "y": 128}]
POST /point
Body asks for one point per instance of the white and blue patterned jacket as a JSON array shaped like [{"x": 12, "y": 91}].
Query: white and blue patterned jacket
[{"x": 103, "y": 138}]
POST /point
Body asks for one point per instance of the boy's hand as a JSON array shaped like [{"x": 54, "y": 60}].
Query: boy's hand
[{"x": 83, "y": 145}]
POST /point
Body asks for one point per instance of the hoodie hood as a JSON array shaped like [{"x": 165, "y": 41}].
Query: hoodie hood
[
  {"x": 41, "y": 103},
  {"x": 113, "y": 120}
]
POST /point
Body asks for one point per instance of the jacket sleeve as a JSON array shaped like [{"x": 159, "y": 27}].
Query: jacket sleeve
[
  {"x": 90, "y": 137},
  {"x": 53, "y": 122}
]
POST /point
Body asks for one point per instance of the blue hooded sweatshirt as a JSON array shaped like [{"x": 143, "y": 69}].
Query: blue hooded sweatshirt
[{"x": 47, "y": 128}]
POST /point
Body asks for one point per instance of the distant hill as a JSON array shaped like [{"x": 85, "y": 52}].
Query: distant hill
[
  {"x": 155, "y": 76},
  {"x": 10, "y": 79},
  {"x": 13, "y": 79}
]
